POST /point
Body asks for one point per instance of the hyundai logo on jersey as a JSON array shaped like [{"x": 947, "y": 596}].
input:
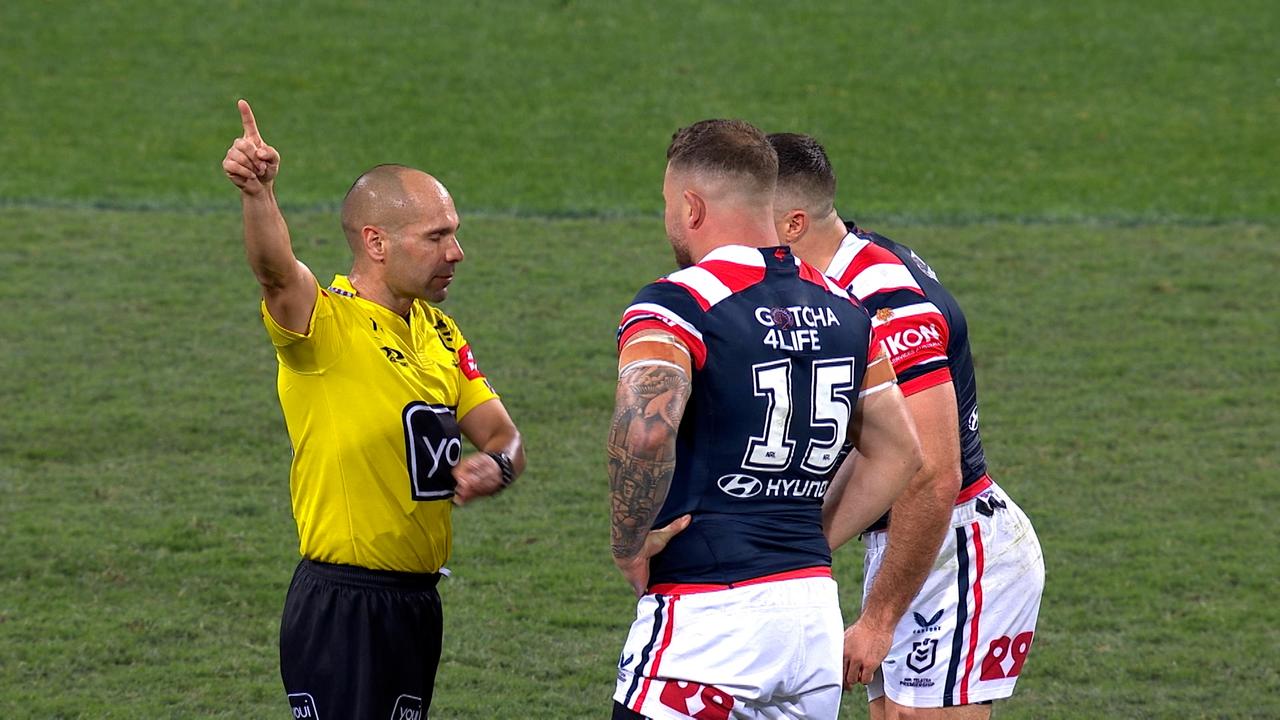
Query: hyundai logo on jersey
[{"x": 740, "y": 486}]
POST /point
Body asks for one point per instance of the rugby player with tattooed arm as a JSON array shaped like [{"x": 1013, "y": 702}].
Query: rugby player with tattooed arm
[{"x": 742, "y": 378}]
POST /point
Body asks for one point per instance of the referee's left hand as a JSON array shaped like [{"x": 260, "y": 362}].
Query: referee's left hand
[{"x": 476, "y": 475}]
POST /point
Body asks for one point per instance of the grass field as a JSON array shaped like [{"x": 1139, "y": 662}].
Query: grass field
[{"x": 1095, "y": 181}]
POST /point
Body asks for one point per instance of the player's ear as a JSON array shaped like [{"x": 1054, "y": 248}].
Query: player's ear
[
  {"x": 696, "y": 212},
  {"x": 795, "y": 223}
]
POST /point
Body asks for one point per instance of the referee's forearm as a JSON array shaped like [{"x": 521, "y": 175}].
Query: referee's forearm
[
  {"x": 509, "y": 443},
  {"x": 266, "y": 240}
]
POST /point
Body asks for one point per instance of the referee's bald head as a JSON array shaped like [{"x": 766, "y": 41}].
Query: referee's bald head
[{"x": 386, "y": 196}]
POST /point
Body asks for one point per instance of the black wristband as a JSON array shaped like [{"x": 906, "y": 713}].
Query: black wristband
[{"x": 505, "y": 467}]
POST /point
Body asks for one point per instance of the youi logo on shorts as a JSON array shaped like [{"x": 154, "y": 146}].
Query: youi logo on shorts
[
  {"x": 407, "y": 707},
  {"x": 740, "y": 486},
  {"x": 303, "y": 706}
]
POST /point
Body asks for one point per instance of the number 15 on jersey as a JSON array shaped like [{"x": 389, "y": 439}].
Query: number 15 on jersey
[{"x": 831, "y": 400}]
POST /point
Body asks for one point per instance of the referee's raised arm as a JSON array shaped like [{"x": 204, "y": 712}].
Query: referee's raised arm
[{"x": 288, "y": 286}]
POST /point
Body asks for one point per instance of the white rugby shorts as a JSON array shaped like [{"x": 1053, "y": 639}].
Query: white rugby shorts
[
  {"x": 766, "y": 648},
  {"x": 966, "y": 635}
]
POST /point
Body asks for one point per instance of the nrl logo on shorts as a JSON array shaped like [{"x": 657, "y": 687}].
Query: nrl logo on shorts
[
  {"x": 740, "y": 486},
  {"x": 924, "y": 653}
]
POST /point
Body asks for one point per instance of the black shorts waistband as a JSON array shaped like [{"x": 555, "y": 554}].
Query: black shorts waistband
[{"x": 369, "y": 578}]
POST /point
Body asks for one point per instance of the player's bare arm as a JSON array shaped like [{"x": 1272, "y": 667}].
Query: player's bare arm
[
  {"x": 288, "y": 287},
  {"x": 653, "y": 389},
  {"x": 921, "y": 516},
  {"x": 490, "y": 429},
  {"x": 888, "y": 455}
]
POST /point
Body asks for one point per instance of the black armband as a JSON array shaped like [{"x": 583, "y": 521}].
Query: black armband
[{"x": 505, "y": 466}]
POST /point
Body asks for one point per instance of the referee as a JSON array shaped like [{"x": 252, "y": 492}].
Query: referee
[{"x": 377, "y": 387}]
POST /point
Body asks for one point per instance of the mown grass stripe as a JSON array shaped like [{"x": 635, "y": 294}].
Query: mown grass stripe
[{"x": 868, "y": 219}]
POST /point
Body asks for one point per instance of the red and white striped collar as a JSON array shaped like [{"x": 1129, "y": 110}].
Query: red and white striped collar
[
  {"x": 850, "y": 246},
  {"x": 736, "y": 254}
]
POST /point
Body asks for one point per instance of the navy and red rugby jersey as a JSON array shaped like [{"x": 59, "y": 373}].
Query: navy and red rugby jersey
[
  {"x": 780, "y": 357},
  {"x": 923, "y": 330}
]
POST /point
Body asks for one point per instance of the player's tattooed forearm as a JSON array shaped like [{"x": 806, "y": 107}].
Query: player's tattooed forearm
[
  {"x": 642, "y": 450},
  {"x": 639, "y": 484}
]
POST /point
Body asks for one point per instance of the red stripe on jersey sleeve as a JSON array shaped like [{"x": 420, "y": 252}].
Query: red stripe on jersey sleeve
[
  {"x": 697, "y": 350},
  {"x": 693, "y": 292},
  {"x": 933, "y": 378},
  {"x": 735, "y": 276},
  {"x": 913, "y": 339}
]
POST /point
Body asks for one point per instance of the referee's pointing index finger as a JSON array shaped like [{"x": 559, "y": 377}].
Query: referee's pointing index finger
[{"x": 246, "y": 119}]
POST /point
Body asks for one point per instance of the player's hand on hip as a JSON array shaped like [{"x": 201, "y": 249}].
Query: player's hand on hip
[
  {"x": 476, "y": 475},
  {"x": 864, "y": 649},
  {"x": 250, "y": 164},
  {"x": 636, "y": 568}
]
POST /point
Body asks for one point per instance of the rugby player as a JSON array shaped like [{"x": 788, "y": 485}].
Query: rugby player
[
  {"x": 954, "y": 571},
  {"x": 741, "y": 379}
]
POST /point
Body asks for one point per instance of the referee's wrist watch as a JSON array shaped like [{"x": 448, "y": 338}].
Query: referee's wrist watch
[{"x": 505, "y": 467}]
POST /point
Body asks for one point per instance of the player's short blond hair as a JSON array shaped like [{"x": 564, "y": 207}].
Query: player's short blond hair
[{"x": 729, "y": 148}]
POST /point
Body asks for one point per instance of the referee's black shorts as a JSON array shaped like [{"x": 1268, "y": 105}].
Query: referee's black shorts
[{"x": 358, "y": 643}]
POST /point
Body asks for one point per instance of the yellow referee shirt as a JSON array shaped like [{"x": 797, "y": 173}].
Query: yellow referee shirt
[{"x": 371, "y": 403}]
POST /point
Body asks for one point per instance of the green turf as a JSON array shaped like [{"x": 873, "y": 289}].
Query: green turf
[
  {"x": 147, "y": 537},
  {"x": 1094, "y": 180},
  {"x": 933, "y": 110}
]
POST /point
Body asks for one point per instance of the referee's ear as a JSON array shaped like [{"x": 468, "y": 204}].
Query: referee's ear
[{"x": 374, "y": 241}]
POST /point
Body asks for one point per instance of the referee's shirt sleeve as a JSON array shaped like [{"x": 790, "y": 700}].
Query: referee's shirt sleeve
[
  {"x": 311, "y": 351},
  {"x": 474, "y": 387}
]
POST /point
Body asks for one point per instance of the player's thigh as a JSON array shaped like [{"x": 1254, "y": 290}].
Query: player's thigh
[{"x": 894, "y": 711}]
